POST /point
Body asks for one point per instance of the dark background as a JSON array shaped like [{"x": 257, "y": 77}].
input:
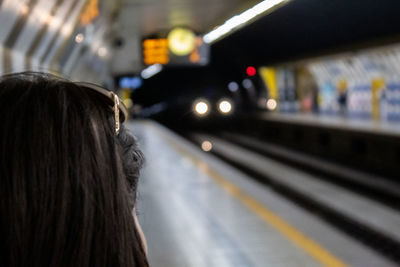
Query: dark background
[{"x": 301, "y": 29}]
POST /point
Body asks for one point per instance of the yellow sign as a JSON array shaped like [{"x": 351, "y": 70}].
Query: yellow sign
[
  {"x": 377, "y": 85},
  {"x": 269, "y": 77},
  {"x": 342, "y": 86},
  {"x": 155, "y": 51}
]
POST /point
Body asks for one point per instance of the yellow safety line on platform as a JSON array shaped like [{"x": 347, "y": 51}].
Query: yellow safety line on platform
[{"x": 295, "y": 236}]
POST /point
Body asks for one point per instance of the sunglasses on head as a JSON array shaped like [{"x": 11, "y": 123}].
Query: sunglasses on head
[{"x": 120, "y": 111}]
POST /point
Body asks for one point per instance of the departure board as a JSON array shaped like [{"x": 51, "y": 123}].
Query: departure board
[
  {"x": 155, "y": 51},
  {"x": 158, "y": 51}
]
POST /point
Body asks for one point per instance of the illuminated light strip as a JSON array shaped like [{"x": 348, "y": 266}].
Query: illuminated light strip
[
  {"x": 240, "y": 20},
  {"x": 39, "y": 36},
  {"x": 319, "y": 253},
  {"x": 151, "y": 71}
]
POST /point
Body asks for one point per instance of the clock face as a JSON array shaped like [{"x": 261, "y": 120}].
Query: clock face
[{"x": 181, "y": 41}]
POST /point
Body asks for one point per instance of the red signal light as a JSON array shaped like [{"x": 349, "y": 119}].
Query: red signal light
[{"x": 251, "y": 71}]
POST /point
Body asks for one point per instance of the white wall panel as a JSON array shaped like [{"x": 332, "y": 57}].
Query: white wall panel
[
  {"x": 72, "y": 60},
  {"x": 18, "y": 61},
  {"x": 1, "y": 59},
  {"x": 128, "y": 57},
  {"x": 9, "y": 13}
]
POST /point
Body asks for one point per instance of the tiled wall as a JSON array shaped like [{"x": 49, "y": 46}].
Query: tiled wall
[{"x": 41, "y": 35}]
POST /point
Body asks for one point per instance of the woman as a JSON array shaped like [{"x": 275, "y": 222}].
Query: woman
[{"x": 68, "y": 176}]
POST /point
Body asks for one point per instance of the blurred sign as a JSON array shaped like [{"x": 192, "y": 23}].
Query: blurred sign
[
  {"x": 90, "y": 13},
  {"x": 158, "y": 51},
  {"x": 269, "y": 77},
  {"x": 130, "y": 82},
  {"x": 377, "y": 85},
  {"x": 155, "y": 51}
]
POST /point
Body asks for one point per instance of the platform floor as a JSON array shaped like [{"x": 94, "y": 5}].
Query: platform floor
[
  {"x": 337, "y": 122},
  {"x": 198, "y": 211}
]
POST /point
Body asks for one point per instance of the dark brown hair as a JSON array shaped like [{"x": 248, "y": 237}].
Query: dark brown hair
[{"x": 67, "y": 181}]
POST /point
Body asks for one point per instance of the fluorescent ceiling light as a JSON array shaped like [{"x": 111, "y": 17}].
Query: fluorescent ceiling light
[
  {"x": 240, "y": 20},
  {"x": 151, "y": 71}
]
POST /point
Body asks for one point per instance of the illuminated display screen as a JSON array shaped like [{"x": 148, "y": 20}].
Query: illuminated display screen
[
  {"x": 130, "y": 82},
  {"x": 157, "y": 51}
]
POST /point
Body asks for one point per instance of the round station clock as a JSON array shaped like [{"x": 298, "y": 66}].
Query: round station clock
[{"x": 181, "y": 41}]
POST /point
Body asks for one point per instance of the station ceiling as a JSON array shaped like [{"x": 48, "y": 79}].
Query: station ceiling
[
  {"x": 311, "y": 28},
  {"x": 153, "y": 16}
]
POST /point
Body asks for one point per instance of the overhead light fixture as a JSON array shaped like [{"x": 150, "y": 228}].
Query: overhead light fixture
[
  {"x": 240, "y": 20},
  {"x": 151, "y": 71},
  {"x": 79, "y": 38}
]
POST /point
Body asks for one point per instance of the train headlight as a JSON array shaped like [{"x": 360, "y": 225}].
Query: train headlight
[
  {"x": 225, "y": 106},
  {"x": 201, "y": 107}
]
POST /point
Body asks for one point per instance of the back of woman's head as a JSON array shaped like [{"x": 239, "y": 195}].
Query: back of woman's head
[{"x": 67, "y": 180}]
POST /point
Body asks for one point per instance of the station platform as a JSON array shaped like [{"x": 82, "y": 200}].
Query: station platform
[
  {"x": 197, "y": 210},
  {"x": 336, "y": 122}
]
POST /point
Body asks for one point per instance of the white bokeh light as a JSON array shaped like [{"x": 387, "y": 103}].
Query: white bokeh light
[
  {"x": 201, "y": 107},
  {"x": 233, "y": 86},
  {"x": 102, "y": 52},
  {"x": 247, "y": 83},
  {"x": 225, "y": 106},
  {"x": 79, "y": 38},
  {"x": 271, "y": 104}
]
